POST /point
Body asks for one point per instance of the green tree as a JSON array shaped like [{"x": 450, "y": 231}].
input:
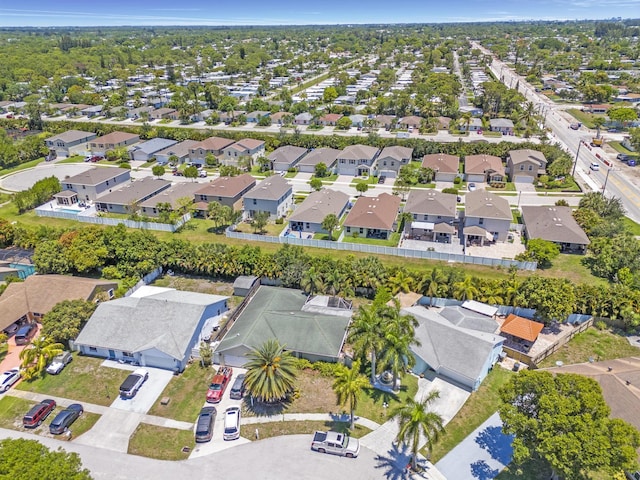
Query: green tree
[
  {"x": 191, "y": 172},
  {"x": 329, "y": 94},
  {"x": 206, "y": 354},
  {"x": 348, "y": 385},
  {"x": 541, "y": 251},
  {"x": 417, "y": 422},
  {"x": 622, "y": 114},
  {"x": 312, "y": 281},
  {"x": 23, "y": 459},
  {"x": 271, "y": 372},
  {"x": 321, "y": 170},
  {"x": 37, "y": 355},
  {"x": 343, "y": 123},
  {"x": 564, "y": 421},
  {"x": 366, "y": 332},
  {"x": 362, "y": 187},
  {"x": 432, "y": 283},
  {"x": 259, "y": 221},
  {"x": 65, "y": 320},
  {"x": 552, "y": 298},
  {"x": 330, "y": 223},
  {"x": 315, "y": 184},
  {"x": 399, "y": 335},
  {"x": 465, "y": 289},
  {"x": 158, "y": 170}
]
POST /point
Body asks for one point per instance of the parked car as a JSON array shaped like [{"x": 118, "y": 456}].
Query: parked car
[
  {"x": 25, "y": 333},
  {"x": 205, "y": 423},
  {"x": 335, "y": 443},
  {"x": 59, "y": 362},
  {"x": 8, "y": 378},
  {"x": 178, "y": 173},
  {"x": 471, "y": 187},
  {"x": 38, "y": 413},
  {"x": 382, "y": 179},
  {"x": 623, "y": 157},
  {"x": 65, "y": 418},
  {"x": 219, "y": 384},
  {"x": 238, "y": 388},
  {"x": 231, "y": 423},
  {"x": 133, "y": 382},
  {"x": 202, "y": 173}
]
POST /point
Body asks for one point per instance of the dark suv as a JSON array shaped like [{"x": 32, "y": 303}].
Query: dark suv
[
  {"x": 237, "y": 390},
  {"x": 38, "y": 413},
  {"x": 204, "y": 425},
  {"x": 65, "y": 418},
  {"x": 25, "y": 333}
]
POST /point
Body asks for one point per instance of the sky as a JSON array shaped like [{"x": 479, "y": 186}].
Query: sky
[{"x": 42, "y": 13}]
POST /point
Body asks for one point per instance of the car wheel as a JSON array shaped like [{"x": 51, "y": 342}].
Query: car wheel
[
  {"x": 349, "y": 455},
  {"x": 39, "y": 423},
  {"x": 322, "y": 450}
]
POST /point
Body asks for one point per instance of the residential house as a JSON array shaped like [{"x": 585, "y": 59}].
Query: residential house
[
  {"x": 143, "y": 327},
  {"x": 254, "y": 117},
  {"x": 521, "y": 333},
  {"x": 230, "y": 117},
  {"x": 411, "y": 121},
  {"x": 525, "y": 166},
  {"x": 89, "y": 185},
  {"x": 210, "y": 146},
  {"x": 202, "y": 116},
  {"x": 247, "y": 147},
  {"x": 388, "y": 122},
  {"x": 373, "y": 217},
  {"x": 633, "y": 98},
  {"x": 278, "y": 118},
  {"x": 71, "y": 111},
  {"x": 474, "y": 125},
  {"x": 273, "y": 194},
  {"x": 443, "y": 123},
  {"x": 111, "y": 141},
  {"x": 70, "y": 141},
  {"x": 286, "y": 157},
  {"x": 30, "y": 300},
  {"x": 304, "y": 118},
  {"x": 357, "y": 160},
  {"x": 308, "y": 216},
  {"x": 172, "y": 196},
  {"x": 165, "y": 112},
  {"x": 92, "y": 111},
  {"x": 460, "y": 353},
  {"x": 357, "y": 120},
  {"x": 328, "y": 156},
  {"x": 554, "y": 224},
  {"x": 502, "y": 125},
  {"x": 600, "y": 108},
  {"x": 391, "y": 159},
  {"x": 445, "y": 167},
  {"x": 140, "y": 112},
  {"x": 330, "y": 119},
  {"x": 433, "y": 215},
  {"x": 127, "y": 198},
  {"x": 484, "y": 168},
  {"x": 145, "y": 151},
  {"x": 314, "y": 328},
  {"x": 178, "y": 150},
  {"x": 487, "y": 218},
  {"x": 226, "y": 191}
]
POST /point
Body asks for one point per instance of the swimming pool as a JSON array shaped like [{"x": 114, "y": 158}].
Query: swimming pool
[{"x": 68, "y": 210}]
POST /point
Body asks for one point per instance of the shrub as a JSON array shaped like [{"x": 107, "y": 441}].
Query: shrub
[
  {"x": 457, "y": 181},
  {"x": 450, "y": 190},
  {"x": 125, "y": 165},
  {"x": 326, "y": 369},
  {"x": 279, "y": 221},
  {"x": 600, "y": 325},
  {"x": 303, "y": 363}
]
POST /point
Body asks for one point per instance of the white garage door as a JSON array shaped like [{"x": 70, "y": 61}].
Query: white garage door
[
  {"x": 232, "y": 361},
  {"x": 159, "y": 362},
  {"x": 523, "y": 179}
]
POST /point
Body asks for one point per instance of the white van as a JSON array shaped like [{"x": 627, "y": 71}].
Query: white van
[
  {"x": 231, "y": 423},
  {"x": 595, "y": 166}
]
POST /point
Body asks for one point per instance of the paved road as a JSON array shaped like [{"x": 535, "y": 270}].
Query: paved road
[{"x": 462, "y": 99}]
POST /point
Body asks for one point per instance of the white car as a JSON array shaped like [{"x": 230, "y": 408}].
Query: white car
[
  {"x": 59, "y": 362},
  {"x": 8, "y": 378},
  {"x": 471, "y": 187}
]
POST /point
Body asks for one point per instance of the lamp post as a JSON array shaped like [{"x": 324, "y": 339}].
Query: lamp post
[
  {"x": 575, "y": 163},
  {"x": 606, "y": 179}
]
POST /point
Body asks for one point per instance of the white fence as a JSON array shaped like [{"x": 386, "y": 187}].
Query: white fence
[
  {"x": 146, "y": 280},
  {"x": 379, "y": 250},
  {"x": 163, "y": 227}
]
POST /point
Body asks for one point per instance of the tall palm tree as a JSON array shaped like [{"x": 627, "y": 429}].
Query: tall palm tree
[
  {"x": 416, "y": 421},
  {"x": 399, "y": 335},
  {"x": 271, "y": 372},
  {"x": 401, "y": 282},
  {"x": 312, "y": 281},
  {"x": 37, "y": 355},
  {"x": 348, "y": 385},
  {"x": 431, "y": 284},
  {"x": 365, "y": 334},
  {"x": 465, "y": 289}
]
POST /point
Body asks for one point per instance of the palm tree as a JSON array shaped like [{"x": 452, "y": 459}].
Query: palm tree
[
  {"x": 598, "y": 122},
  {"x": 36, "y": 356},
  {"x": 417, "y": 421},
  {"x": 399, "y": 335},
  {"x": 431, "y": 284},
  {"x": 401, "y": 282},
  {"x": 348, "y": 385},
  {"x": 330, "y": 223},
  {"x": 271, "y": 372},
  {"x": 312, "y": 281},
  {"x": 365, "y": 334},
  {"x": 465, "y": 289}
]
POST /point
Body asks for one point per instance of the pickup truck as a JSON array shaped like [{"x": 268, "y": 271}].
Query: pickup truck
[
  {"x": 133, "y": 382},
  {"x": 336, "y": 444}
]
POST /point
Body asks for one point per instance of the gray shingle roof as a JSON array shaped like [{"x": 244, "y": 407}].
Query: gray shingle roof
[
  {"x": 483, "y": 204},
  {"x": 287, "y": 154},
  {"x": 179, "y": 149},
  {"x": 173, "y": 194},
  {"x": 374, "y": 212},
  {"x": 320, "y": 155},
  {"x": 555, "y": 224},
  {"x": 134, "y": 191},
  {"x": 154, "y": 145},
  {"x": 397, "y": 153},
  {"x": 431, "y": 202},
  {"x": 95, "y": 176},
  {"x": 359, "y": 152},
  {"x": 320, "y": 204},
  {"x": 271, "y": 188},
  {"x": 72, "y": 136},
  {"x": 519, "y": 156}
]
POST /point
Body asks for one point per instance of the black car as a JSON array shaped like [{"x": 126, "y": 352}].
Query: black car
[
  {"x": 237, "y": 390},
  {"x": 623, "y": 157},
  {"x": 382, "y": 179},
  {"x": 65, "y": 418},
  {"x": 204, "y": 425}
]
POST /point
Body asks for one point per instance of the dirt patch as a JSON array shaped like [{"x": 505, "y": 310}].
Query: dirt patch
[
  {"x": 193, "y": 283},
  {"x": 316, "y": 394}
]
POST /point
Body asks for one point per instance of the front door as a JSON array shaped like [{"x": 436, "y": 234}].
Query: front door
[{"x": 112, "y": 355}]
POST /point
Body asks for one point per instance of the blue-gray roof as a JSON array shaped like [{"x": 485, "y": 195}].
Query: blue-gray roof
[{"x": 154, "y": 145}]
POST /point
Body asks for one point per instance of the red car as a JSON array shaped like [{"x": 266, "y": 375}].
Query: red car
[
  {"x": 219, "y": 384},
  {"x": 38, "y": 413}
]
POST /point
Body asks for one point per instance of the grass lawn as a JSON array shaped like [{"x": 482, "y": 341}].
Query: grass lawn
[
  {"x": 391, "y": 242},
  {"x": 4, "y": 348},
  {"x": 330, "y": 179},
  {"x": 74, "y": 159},
  {"x": 290, "y": 174},
  {"x": 161, "y": 443},
  {"x": 325, "y": 236},
  {"x": 531, "y": 470},
  {"x": 270, "y": 229},
  {"x": 83, "y": 380},
  {"x": 370, "y": 180},
  {"x": 149, "y": 164},
  {"x": 570, "y": 186},
  {"x": 632, "y": 226},
  {"x": 276, "y": 429},
  {"x": 83, "y": 424},
  {"x": 508, "y": 187},
  {"x": 187, "y": 393},
  {"x": 570, "y": 266},
  {"x": 22, "y": 166},
  {"x": 479, "y": 406},
  {"x": 370, "y": 402},
  {"x": 618, "y": 147},
  {"x": 592, "y": 343},
  {"x": 585, "y": 118}
]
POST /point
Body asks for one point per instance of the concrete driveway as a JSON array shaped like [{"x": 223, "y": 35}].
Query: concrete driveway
[{"x": 148, "y": 393}]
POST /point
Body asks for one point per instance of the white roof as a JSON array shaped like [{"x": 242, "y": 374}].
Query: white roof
[
  {"x": 479, "y": 307},
  {"x": 423, "y": 225}
]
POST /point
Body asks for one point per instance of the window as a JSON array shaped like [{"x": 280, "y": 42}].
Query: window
[
  {"x": 362, "y": 230},
  {"x": 530, "y": 168},
  {"x": 255, "y": 202},
  {"x": 93, "y": 349},
  {"x": 110, "y": 293},
  {"x": 348, "y": 229},
  {"x": 415, "y": 216},
  {"x": 107, "y": 182},
  {"x": 481, "y": 221},
  {"x": 521, "y": 167},
  {"x": 84, "y": 187}
]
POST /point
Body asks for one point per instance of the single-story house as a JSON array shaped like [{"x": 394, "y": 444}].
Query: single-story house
[
  {"x": 502, "y": 125},
  {"x": 386, "y": 121},
  {"x": 63, "y": 143},
  {"x": 89, "y": 185},
  {"x": 308, "y": 327},
  {"x": 526, "y": 165},
  {"x": 145, "y": 151},
  {"x": 139, "y": 112},
  {"x": 328, "y": 156},
  {"x": 444, "y": 123},
  {"x": 226, "y": 191},
  {"x": 474, "y": 125},
  {"x": 254, "y": 117},
  {"x": 357, "y": 120},
  {"x": 391, "y": 159},
  {"x": 230, "y": 117},
  {"x": 179, "y": 150},
  {"x": 433, "y": 214},
  {"x": 484, "y": 168},
  {"x": 165, "y": 112},
  {"x": 30, "y": 300},
  {"x": 330, "y": 119},
  {"x": 278, "y": 118},
  {"x": 373, "y": 217},
  {"x": 172, "y": 196},
  {"x": 210, "y": 146},
  {"x": 202, "y": 116},
  {"x": 92, "y": 111},
  {"x": 357, "y": 160},
  {"x": 123, "y": 199},
  {"x": 410, "y": 122},
  {"x": 158, "y": 330},
  {"x": 273, "y": 194},
  {"x": 601, "y": 108},
  {"x": 286, "y": 157},
  {"x": 445, "y": 166},
  {"x": 456, "y": 353},
  {"x": 303, "y": 118},
  {"x": 487, "y": 218},
  {"x": 554, "y": 224},
  {"x": 113, "y": 140},
  {"x": 308, "y": 216}
]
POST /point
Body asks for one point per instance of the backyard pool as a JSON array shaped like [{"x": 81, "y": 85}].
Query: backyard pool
[{"x": 68, "y": 210}]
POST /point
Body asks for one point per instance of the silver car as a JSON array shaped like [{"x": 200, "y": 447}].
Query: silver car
[{"x": 8, "y": 378}]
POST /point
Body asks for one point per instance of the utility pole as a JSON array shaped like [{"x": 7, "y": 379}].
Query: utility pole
[
  {"x": 576, "y": 161},
  {"x": 606, "y": 179}
]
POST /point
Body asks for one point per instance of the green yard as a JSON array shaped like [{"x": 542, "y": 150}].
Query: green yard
[
  {"x": 276, "y": 429},
  {"x": 632, "y": 226},
  {"x": 20, "y": 167},
  {"x": 571, "y": 267},
  {"x": 83, "y": 380},
  {"x": 270, "y": 229},
  {"x": 392, "y": 241},
  {"x": 585, "y": 118},
  {"x": 161, "y": 443}
]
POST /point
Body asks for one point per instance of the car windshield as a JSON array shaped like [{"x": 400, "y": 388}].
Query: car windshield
[{"x": 215, "y": 386}]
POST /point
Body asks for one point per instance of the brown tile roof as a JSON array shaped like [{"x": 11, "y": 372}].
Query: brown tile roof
[
  {"x": 374, "y": 212},
  {"x": 555, "y": 224},
  {"x": 213, "y": 144},
  {"x": 39, "y": 293},
  {"x": 481, "y": 164},
  {"x": 114, "y": 138},
  {"x": 331, "y": 117},
  {"x": 521, "y": 328},
  {"x": 227, "y": 187},
  {"x": 441, "y": 162},
  {"x": 411, "y": 120}
]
